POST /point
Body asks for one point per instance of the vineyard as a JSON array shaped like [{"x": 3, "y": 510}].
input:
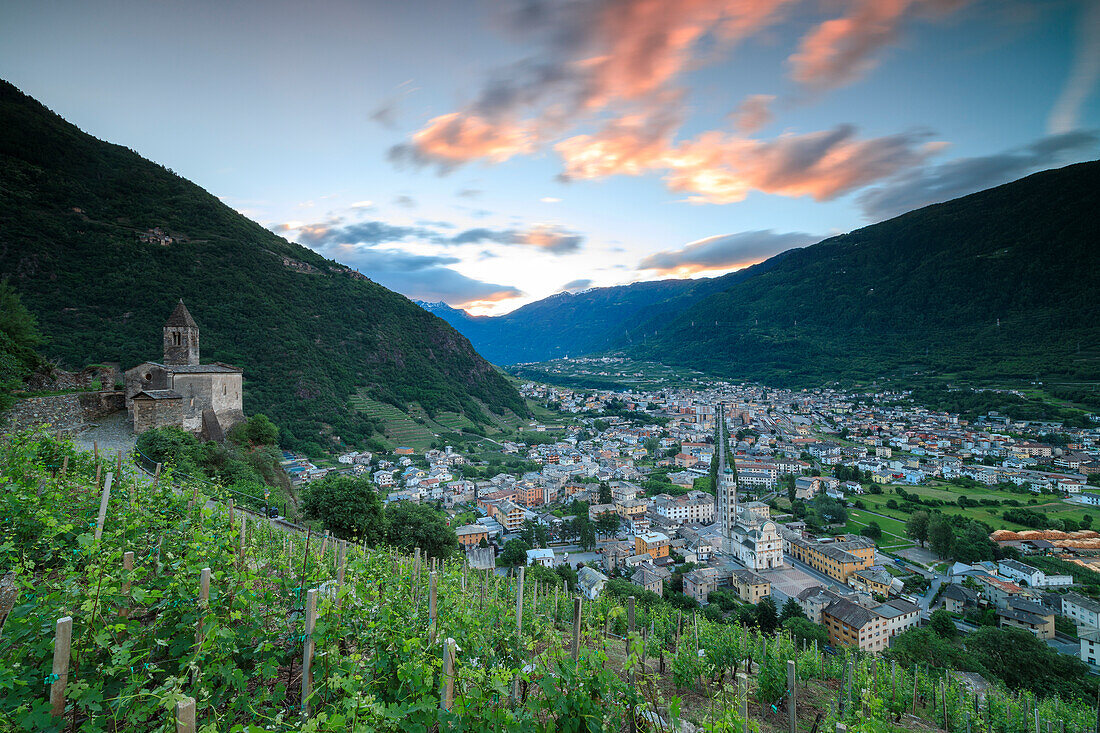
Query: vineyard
[{"x": 134, "y": 605}]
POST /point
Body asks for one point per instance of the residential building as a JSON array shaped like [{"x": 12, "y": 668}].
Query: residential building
[
  {"x": 999, "y": 591},
  {"x": 700, "y": 583},
  {"x": 655, "y": 544},
  {"x": 850, "y": 624},
  {"x": 1084, "y": 611},
  {"x": 1090, "y": 646},
  {"x": 956, "y": 598},
  {"x": 1033, "y": 577},
  {"x": 471, "y": 535},
  {"x": 648, "y": 579},
  {"x": 541, "y": 556},
  {"x": 837, "y": 558},
  {"x": 1032, "y": 617},
  {"x": 591, "y": 582},
  {"x": 899, "y": 615},
  {"x": 750, "y": 587}
]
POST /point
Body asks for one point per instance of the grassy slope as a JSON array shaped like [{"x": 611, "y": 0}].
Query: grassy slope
[{"x": 71, "y": 210}]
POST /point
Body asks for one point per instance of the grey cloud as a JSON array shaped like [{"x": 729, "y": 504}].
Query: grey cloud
[
  {"x": 404, "y": 201},
  {"x": 552, "y": 239},
  {"x": 933, "y": 184},
  {"x": 576, "y": 285},
  {"x": 420, "y": 277},
  {"x": 726, "y": 250}
]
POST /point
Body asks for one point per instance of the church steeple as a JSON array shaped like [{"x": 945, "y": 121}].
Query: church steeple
[{"x": 181, "y": 338}]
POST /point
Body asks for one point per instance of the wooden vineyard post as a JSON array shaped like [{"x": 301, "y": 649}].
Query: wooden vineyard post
[
  {"x": 64, "y": 465},
  {"x": 244, "y": 528},
  {"x": 307, "y": 650},
  {"x": 185, "y": 715},
  {"x": 127, "y": 567},
  {"x": 556, "y": 603},
  {"x": 792, "y": 698},
  {"x": 156, "y": 476},
  {"x": 98, "y": 472},
  {"x": 204, "y": 602},
  {"x": 743, "y": 699},
  {"x": 63, "y": 637},
  {"x": 629, "y": 626},
  {"x": 324, "y": 546},
  {"x": 679, "y": 627},
  {"x": 104, "y": 499},
  {"x": 519, "y": 603},
  {"x": 231, "y": 512},
  {"x": 340, "y": 571},
  {"x": 447, "y": 698},
  {"x": 577, "y": 607},
  {"x": 432, "y": 580},
  {"x": 916, "y": 675},
  {"x": 519, "y": 628}
]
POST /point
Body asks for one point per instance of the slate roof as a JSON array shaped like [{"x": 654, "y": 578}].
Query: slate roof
[
  {"x": 850, "y": 613},
  {"x": 181, "y": 318},
  {"x": 159, "y": 394}
]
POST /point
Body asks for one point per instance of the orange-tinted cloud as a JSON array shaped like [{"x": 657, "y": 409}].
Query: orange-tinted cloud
[
  {"x": 618, "y": 63},
  {"x": 841, "y": 50},
  {"x": 719, "y": 168},
  {"x": 753, "y": 113},
  {"x": 451, "y": 139}
]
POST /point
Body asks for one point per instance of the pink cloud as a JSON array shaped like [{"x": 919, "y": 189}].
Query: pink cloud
[
  {"x": 719, "y": 168},
  {"x": 454, "y": 138},
  {"x": 841, "y": 50}
]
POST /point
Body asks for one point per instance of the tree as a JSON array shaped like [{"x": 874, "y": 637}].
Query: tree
[
  {"x": 534, "y": 534},
  {"x": 802, "y": 629},
  {"x": 348, "y": 507},
  {"x": 872, "y": 530},
  {"x": 767, "y": 616},
  {"x": 514, "y": 553},
  {"x": 416, "y": 525},
  {"x": 791, "y": 609},
  {"x": 261, "y": 431},
  {"x": 943, "y": 624},
  {"x": 917, "y": 527},
  {"x": 584, "y": 531},
  {"x": 605, "y": 493},
  {"x": 608, "y": 523},
  {"x": 941, "y": 537}
]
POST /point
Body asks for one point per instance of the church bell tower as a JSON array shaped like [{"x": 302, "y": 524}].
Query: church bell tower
[{"x": 181, "y": 338}]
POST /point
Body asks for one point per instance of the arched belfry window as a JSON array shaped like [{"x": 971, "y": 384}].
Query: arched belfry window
[{"x": 177, "y": 337}]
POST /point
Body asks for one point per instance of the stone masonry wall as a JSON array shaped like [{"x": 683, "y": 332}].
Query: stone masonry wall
[{"x": 67, "y": 413}]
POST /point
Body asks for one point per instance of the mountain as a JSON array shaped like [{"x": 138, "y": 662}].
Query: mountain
[
  {"x": 999, "y": 285},
  {"x": 101, "y": 243},
  {"x": 581, "y": 323}
]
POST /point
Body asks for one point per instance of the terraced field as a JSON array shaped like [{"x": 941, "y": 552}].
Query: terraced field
[{"x": 400, "y": 429}]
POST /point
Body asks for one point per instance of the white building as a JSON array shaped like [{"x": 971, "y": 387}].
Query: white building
[{"x": 1034, "y": 577}]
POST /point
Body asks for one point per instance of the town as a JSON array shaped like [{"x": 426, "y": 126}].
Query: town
[{"x": 869, "y": 512}]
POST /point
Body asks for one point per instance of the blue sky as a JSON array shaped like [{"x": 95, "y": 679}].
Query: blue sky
[{"x": 492, "y": 153}]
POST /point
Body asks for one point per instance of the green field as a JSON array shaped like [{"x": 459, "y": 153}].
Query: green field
[
  {"x": 893, "y": 530},
  {"x": 1050, "y": 505}
]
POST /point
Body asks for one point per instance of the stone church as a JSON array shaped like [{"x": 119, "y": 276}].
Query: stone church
[{"x": 204, "y": 399}]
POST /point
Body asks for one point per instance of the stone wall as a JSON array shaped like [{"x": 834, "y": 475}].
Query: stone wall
[{"x": 67, "y": 413}]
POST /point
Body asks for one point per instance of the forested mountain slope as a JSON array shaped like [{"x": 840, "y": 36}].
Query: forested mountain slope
[
  {"x": 1001, "y": 284},
  {"x": 77, "y": 241}
]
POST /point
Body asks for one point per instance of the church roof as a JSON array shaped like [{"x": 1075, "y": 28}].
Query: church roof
[
  {"x": 215, "y": 368},
  {"x": 181, "y": 317},
  {"x": 158, "y": 394}
]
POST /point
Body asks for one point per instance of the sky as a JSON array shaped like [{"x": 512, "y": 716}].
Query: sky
[{"x": 489, "y": 154}]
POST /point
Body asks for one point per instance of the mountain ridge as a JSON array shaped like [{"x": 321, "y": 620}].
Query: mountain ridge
[{"x": 100, "y": 243}]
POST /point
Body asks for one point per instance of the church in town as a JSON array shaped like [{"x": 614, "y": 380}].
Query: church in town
[
  {"x": 204, "y": 399},
  {"x": 748, "y": 531}
]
